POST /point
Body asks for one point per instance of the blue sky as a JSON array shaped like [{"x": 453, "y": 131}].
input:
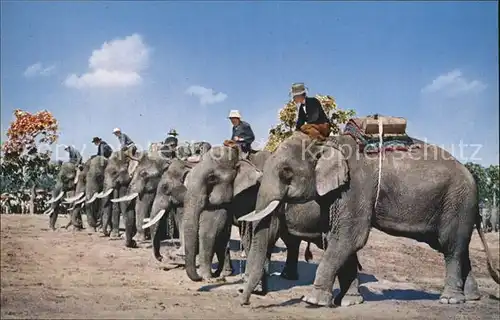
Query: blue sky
[{"x": 149, "y": 66}]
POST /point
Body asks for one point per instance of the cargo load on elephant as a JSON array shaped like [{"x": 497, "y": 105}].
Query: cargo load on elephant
[{"x": 368, "y": 130}]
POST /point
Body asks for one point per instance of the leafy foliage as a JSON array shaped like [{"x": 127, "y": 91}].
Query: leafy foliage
[
  {"x": 487, "y": 180},
  {"x": 23, "y": 166},
  {"x": 288, "y": 116}
]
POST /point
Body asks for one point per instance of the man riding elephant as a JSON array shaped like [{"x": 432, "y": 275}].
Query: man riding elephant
[
  {"x": 74, "y": 155},
  {"x": 127, "y": 146},
  {"x": 242, "y": 136},
  {"x": 312, "y": 119},
  {"x": 170, "y": 145},
  {"x": 103, "y": 148}
]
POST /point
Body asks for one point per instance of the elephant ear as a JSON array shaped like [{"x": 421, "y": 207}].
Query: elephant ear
[
  {"x": 331, "y": 170},
  {"x": 247, "y": 175},
  {"x": 185, "y": 177}
]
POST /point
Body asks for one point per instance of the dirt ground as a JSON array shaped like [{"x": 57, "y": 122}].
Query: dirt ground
[{"x": 65, "y": 274}]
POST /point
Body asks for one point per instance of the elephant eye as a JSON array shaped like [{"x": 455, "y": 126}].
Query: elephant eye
[
  {"x": 286, "y": 174},
  {"x": 164, "y": 188},
  {"x": 212, "y": 179},
  {"x": 144, "y": 173}
]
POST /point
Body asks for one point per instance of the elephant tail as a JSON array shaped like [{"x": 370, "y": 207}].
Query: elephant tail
[{"x": 495, "y": 274}]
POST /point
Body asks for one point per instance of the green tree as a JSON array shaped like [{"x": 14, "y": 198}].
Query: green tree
[
  {"x": 288, "y": 116},
  {"x": 24, "y": 166},
  {"x": 479, "y": 174},
  {"x": 493, "y": 176}
]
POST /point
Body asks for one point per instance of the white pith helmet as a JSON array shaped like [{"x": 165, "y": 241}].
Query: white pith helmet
[
  {"x": 234, "y": 114},
  {"x": 115, "y": 130}
]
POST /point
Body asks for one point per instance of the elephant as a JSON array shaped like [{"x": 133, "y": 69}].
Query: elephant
[
  {"x": 214, "y": 229},
  {"x": 117, "y": 176},
  {"x": 90, "y": 183},
  {"x": 65, "y": 183},
  {"x": 423, "y": 194},
  {"x": 141, "y": 193},
  {"x": 490, "y": 219},
  {"x": 220, "y": 181}
]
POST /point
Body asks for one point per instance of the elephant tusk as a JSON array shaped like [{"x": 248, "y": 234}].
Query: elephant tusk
[
  {"x": 56, "y": 198},
  {"x": 105, "y": 194},
  {"x": 48, "y": 211},
  {"x": 154, "y": 220},
  {"x": 75, "y": 198},
  {"x": 258, "y": 215},
  {"x": 126, "y": 198},
  {"x": 93, "y": 198},
  {"x": 81, "y": 200}
]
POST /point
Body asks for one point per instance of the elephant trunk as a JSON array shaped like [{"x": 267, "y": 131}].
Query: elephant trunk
[
  {"x": 267, "y": 202},
  {"x": 195, "y": 201}
]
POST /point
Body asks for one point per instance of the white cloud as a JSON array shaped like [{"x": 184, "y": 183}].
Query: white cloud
[
  {"x": 117, "y": 63},
  {"x": 38, "y": 69},
  {"x": 206, "y": 95},
  {"x": 453, "y": 84}
]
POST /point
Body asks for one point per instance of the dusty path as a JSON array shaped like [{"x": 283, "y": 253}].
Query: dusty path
[{"x": 62, "y": 274}]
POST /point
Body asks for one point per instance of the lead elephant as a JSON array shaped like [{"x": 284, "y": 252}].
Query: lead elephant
[
  {"x": 429, "y": 199},
  {"x": 65, "y": 184}
]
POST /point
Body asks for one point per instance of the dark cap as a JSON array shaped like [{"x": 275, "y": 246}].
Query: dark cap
[{"x": 96, "y": 139}]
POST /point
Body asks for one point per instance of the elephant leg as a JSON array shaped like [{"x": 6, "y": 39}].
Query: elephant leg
[
  {"x": 179, "y": 221},
  {"x": 107, "y": 208},
  {"x": 91, "y": 219},
  {"x": 130, "y": 230},
  {"x": 53, "y": 217},
  {"x": 292, "y": 243},
  {"x": 349, "y": 283},
  {"x": 115, "y": 220},
  {"x": 223, "y": 252},
  {"x": 457, "y": 271},
  {"x": 76, "y": 218},
  {"x": 343, "y": 243},
  {"x": 471, "y": 289},
  {"x": 206, "y": 252}
]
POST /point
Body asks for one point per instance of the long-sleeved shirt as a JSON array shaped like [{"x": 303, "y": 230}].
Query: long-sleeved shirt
[
  {"x": 125, "y": 141},
  {"x": 74, "y": 156},
  {"x": 104, "y": 149},
  {"x": 243, "y": 131},
  {"x": 311, "y": 112}
]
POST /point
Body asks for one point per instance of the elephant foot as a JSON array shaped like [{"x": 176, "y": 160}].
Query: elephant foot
[
  {"x": 114, "y": 236},
  {"x": 216, "y": 280},
  {"x": 451, "y": 297},
  {"x": 227, "y": 272},
  {"x": 259, "y": 290},
  {"x": 77, "y": 228},
  {"x": 289, "y": 275},
  {"x": 141, "y": 238},
  {"x": 471, "y": 290},
  {"x": 159, "y": 257},
  {"x": 180, "y": 252},
  {"x": 349, "y": 300},
  {"x": 319, "y": 297},
  {"x": 131, "y": 244}
]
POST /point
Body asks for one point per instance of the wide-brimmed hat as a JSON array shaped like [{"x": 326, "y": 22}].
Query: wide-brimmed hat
[
  {"x": 96, "y": 139},
  {"x": 172, "y": 132},
  {"x": 115, "y": 130},
  {"x": 234, "y": 114},
  {"x": 298, "y": 89}
]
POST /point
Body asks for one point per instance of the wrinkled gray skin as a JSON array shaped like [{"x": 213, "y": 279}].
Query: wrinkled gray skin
[
  {"x": 422, "y": 196},
  {"x": 116, "y": 182},
  {"x": 141, "y": 194},
  {"x": 90, "y": 184},
  {"x": 490, "y": 219},
  {"x": 220, "y": 181},
  {"x": 65, "y": 184}
]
